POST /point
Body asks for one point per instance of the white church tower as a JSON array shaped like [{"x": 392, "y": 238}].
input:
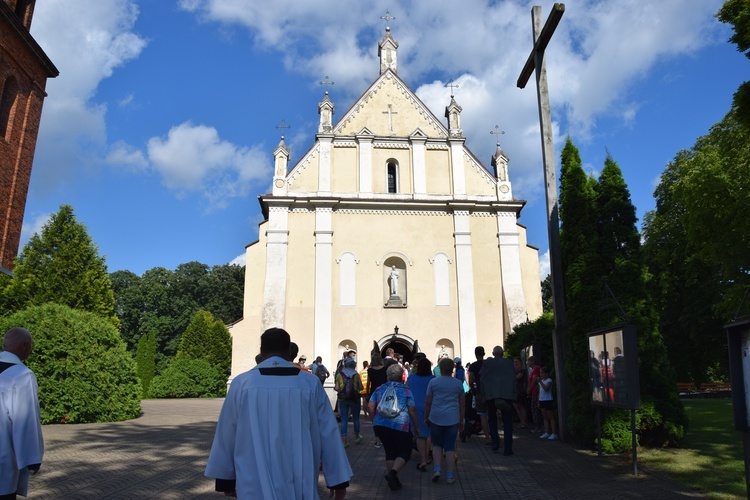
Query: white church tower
[{"x": 388, "y": 230}]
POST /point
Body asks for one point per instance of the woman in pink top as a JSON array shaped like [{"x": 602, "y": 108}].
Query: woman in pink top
[{"x": 533, "y": 393}]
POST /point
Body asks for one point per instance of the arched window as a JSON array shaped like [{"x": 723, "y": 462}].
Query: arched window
[
  {"x": 392, "y": 176},
  {"x": 22, "y": 11},
  {"x": 7, "y": 104}
]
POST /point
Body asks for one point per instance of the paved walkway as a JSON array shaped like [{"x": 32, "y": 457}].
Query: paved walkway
[{"x": 163, "y": 454}]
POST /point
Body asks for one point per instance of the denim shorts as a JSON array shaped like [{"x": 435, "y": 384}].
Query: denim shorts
[{"x": 444, "y": 436}]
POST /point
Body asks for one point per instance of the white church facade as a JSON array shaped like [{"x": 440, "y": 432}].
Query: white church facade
[{"x": 388, "y": 230}]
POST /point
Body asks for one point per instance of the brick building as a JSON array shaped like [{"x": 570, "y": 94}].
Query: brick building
[{"x": 24, "y": 69}]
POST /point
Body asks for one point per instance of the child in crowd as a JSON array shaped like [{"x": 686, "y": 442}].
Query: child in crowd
[{"x": 547, "y": 405}]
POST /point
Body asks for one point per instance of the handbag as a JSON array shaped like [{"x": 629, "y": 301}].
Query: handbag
[{"x": 388, "y": 404}]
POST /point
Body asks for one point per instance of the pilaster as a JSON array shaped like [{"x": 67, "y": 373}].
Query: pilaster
[{"x": 467, "y": 321}]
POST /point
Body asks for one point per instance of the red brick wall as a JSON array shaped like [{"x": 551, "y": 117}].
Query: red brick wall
[{"x": 19, "y": 142}]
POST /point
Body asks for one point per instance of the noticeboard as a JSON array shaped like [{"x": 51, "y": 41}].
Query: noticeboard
[{"x": 613, "y": 367}]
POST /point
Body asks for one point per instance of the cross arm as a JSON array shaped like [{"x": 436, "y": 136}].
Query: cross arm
[{"x": 541, "y": 43}]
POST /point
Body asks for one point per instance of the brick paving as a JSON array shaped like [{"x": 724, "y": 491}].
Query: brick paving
[{"x": 163, "y": 454}]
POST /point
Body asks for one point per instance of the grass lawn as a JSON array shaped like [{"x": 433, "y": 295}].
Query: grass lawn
[{"x": 710, "y": 458}]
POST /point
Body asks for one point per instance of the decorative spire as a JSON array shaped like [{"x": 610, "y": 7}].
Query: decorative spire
[
  {"x": 326, "y": 110},
  {"x": 282, "y": 126},
  {"x": 281, "y": 162},
  {"x": 498, "y": 133},
  {"x": 500, "y": 164},
  {"x": 453, "y": 113},
  {"x": 387, "y": 47},
  {"x": 452, "y": 86},
  {"x": 387, "y": 18},
  {"x": 326, "y": 82}
]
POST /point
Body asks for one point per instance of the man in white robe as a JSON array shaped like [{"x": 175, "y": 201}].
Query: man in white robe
[
  {"x": 21, "y": 441},
  {"x": 275, "y": 430}
]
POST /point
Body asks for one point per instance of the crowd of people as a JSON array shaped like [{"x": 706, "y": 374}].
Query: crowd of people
[
  {"x": 277, "y": 430},
  {"x": 411, "y": 406}
]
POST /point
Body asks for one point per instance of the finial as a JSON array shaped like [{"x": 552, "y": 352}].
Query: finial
[
  {"x": 498, "y": 133},
  {"x": 387, "y": 18},
  {"x": 326, "y": 81},
  {"x": 282, "y": 126},
  {"x": 451, "y": 85}
]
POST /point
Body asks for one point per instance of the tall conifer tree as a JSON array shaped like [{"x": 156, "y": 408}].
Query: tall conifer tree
[
  {"x": 581, "y": 271},
  {"x": 62, "y": 265}
]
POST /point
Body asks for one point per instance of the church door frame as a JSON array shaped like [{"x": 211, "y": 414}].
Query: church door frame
[{"x": 401, "y": 340}]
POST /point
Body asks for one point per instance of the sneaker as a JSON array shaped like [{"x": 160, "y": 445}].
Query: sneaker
[
  {"x": 392, "y": 480},
  {"x": 552, "y": 437},
  {"x": 346, "y": 445},
  {"x": 436, "y": 476},
  {"x": 536, "y": 430},
  {"x": 450, "y": 480},
  {"x": 377, "y": 444},
  {"x": 358, "y": 440},
  {"x": 544, "y": 436}
]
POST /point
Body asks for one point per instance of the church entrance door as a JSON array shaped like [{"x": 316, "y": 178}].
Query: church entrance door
[{"x": 400, "y": 347}]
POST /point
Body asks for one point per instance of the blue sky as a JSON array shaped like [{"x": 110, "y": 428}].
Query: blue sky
[{"x": 160, "y": 129}]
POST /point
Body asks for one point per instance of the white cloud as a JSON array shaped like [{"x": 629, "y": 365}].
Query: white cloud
[
  {"x": 544, "y": 266},
  {"x": 193, "y": 158},
  {"x": 239, "y": 260},
  {"x": 598, "y": 51},
  {"x": 122, "y": 154},
  {"x": 86, "y": 43},
  {"x": 35, "y": 227}
]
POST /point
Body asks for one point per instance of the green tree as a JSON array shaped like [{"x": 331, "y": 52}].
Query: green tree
[
  {"x": 62, "y": 265},
  {"x": 189, "y": 378},
  {"x": 737, "y": 13},
  {"x": 547, "y": 304},
  {"x": 694, "y": 247},
  {"x": 628, "y": 279},
  {"x": 225, "y": 292},
  {"x": 84, "y": 371},
  {"x": 129, "y": 305},
  {"x": 601, "y": 245},
  {"x": 207, "y": 338},
  {"x": 145, "y": 360},
  {"x": 582, "y": 271}
]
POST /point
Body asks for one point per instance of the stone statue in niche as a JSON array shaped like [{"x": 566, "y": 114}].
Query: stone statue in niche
[{"x": 393, "y": 281}]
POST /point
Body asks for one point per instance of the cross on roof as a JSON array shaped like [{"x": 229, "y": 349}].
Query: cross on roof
[
  {"x": 498, "y": 133},
  {"x": 387, "y": 18},
  {"x": 282, "y": 126},
  {"x": 451, "y": 85},
  {"x": 326, "y": 81}
]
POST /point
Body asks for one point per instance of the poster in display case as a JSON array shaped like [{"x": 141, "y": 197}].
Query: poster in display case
[{"x": 613, "y": 367}]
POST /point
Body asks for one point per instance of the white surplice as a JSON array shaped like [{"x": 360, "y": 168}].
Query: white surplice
[
  {"x": 274, "y": 432},
  {"x": 21, "y": 441}
]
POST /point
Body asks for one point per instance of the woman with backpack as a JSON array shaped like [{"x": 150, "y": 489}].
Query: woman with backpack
[
  {"x": 394, "y": 419},
  {"x": 348, "y": 386}
]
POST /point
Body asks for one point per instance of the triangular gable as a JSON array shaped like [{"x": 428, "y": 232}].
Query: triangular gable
[{"x": 411, "y": 110}]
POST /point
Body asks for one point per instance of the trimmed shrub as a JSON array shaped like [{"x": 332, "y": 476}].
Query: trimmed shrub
[
  {"x": 145, "y": 359},
  {"x": 189, "y": 378},
  {"x": 84, "y": 372}
]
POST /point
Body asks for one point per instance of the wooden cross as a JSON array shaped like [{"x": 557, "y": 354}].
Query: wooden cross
[
  {"x": 451, "y": 85},
  {"x": 534, "y": 62},
  {"x": 498, "y": 133},
  {"x": 387, "y": 18},
  {"x": 282, "y": 126},
  {"x": 326, "y": 82},
  {"x": 390, "y": 117}
]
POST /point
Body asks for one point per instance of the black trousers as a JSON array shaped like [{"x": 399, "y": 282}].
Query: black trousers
[{"x": 506, "y": 407}]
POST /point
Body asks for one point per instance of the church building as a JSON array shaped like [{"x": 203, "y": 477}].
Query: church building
[{"x": 388, "y": 230}]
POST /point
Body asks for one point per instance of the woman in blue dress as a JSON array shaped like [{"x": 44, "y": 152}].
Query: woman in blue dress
[{"x": 418, "y": 382}]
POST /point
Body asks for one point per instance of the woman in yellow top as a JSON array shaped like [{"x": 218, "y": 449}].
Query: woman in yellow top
[
  {"x": 363, "y": 392},
  {"x": 349, "y": 386}
]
